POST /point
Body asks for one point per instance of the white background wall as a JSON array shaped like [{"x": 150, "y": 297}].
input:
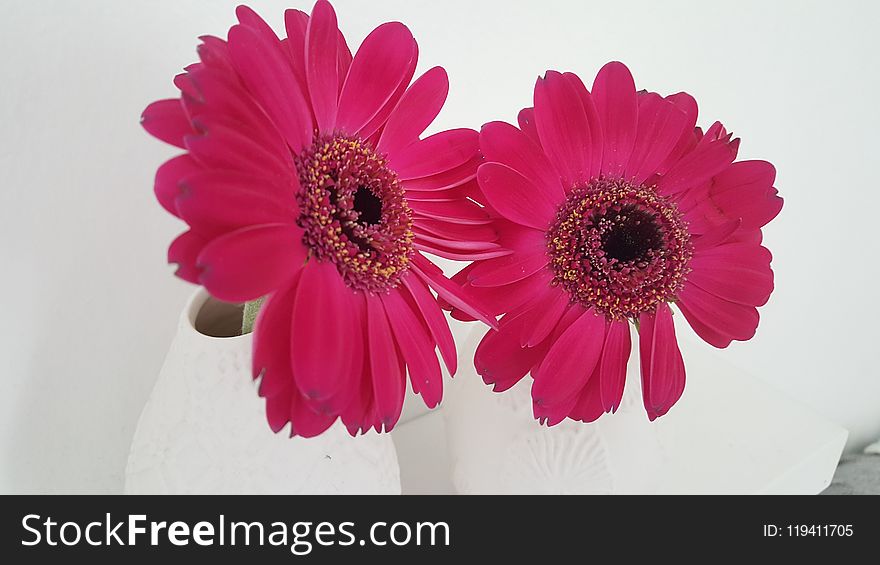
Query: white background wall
[{"x": 90, "y": 306}]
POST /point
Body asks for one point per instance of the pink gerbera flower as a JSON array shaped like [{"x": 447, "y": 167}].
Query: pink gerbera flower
[
  {"x": 615, "y": 207},
  {"x": 306, "y": 181}
]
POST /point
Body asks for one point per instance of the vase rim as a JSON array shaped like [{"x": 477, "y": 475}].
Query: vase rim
[{"x": 189, "y": 319}]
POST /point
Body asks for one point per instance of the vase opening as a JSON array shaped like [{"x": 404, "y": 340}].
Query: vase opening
[{"x": 214, "y": 318}]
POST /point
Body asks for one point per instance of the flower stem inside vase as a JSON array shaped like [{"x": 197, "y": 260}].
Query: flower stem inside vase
[{"x": 249, "y": 316}]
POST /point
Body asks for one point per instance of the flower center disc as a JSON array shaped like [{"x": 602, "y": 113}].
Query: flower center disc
[
  {"x": 354, "y": 212},
  {"x": 619, "y": 249}
]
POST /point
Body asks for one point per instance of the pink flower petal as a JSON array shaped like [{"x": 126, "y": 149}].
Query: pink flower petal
[
  {"x": 343, "y": 59},
  {"x": 214, "y": 53},
  {"x": 553, "y": 412},
  {"x": 452, "y": 195},
  {"x": 563, "y": 128},
  {"x": 373, "y": 129},
  {"x": 278, "y": 407},
  {"x": 686, "y": 103},
  {"x": 737, "y": 272},
  {"x": 219, "y": 202},
  {"x": 414, "y": 113},
  {"x": 660, "y": 126},
  {"x": 517, "y": 296},
  {"x": 753, "y": 237},
  {"x": 716, "y": 320},
  {"x": 529, "y": 256},
  {"x": 378, "y": 69},
  {"x": 502, "y": 143},
  {"x": 543, "y": 316},
  {"x": 588, "y": 406},
  {"x": 416, "y": 347},
  {"x": 526, "y": 121},
  {"x": 184, "y": 252},
  {"x": 471, "y": 191},
  {"x": 337, "y": 402},
  {"x": 385, "y": 364},
  {"x": 503, "y": 299},
  {"x": 516, "y": 197},
  {"x": 440, "y": 152},
  {"x": 278, "y": 410},
  {"x": 450, "y": 291},
  {"x": 597, "y": 136},
  {"x": 296, "y": 23},
  {"x": 457, "y": 232},
  {"x": 328, "y": 350},
  {"x": 552, "y": 415},
  {"x": 269, "y": 76},
  {"x": 570, "y": 360},
  {"x": 168, "y": 177},
  {"x": 614, "y": 94},
  {"x": 697, "y": 167},
  {"x": 271, "y": 351},
  {"x": 221, "y": 147},
  {"x": 446, "y": 180},
  {"x": 248, "y": 17},
  {"x": 426, "y": 238},
  {"x": 434, "y": 318},
  {"x": 237, "y": 113},
  {"x": 500, "y": 359},
  {"x": 745, "y": 190},
  {"x": 458, "y": 254},
  {"x": 612, "y": 371},
  {"x": 189, "y": 92},
  {"x": 166, "y": 120},
  {"x": 460, "y": 212},
  {"x": 214, "y": 98},
  {"x": 322, "y": 40},
  {"x": 519, "y": 240},
  {"x": 360, "y": 413},
  {"x": 305, "y": 420},
  {"x": 716, "y": 132},
  {"x": 463, "y": 252},
  {"x": 663, "y": 374},
  {"x": 715, "y": 235},
  {"x": 509, "y": 269},
  {"x": 709, "y": 335},
  {"x": 374, "y": 417},
  {"x": 252, "y": 262}
]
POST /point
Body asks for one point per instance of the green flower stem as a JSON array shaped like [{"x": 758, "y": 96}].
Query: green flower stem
[{"x": 249, "y": 318}]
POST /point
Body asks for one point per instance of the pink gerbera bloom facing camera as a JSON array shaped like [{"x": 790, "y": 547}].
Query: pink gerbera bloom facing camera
[
  {"x": 305, "y": 181},
  {"x": 615, "y": 207}
]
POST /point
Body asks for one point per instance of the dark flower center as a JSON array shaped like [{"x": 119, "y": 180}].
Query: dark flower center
[
  {"x": 368, "y": 206},
  {"x": 619, "y": 249},
  {"x": 354, "y": 212},
  {"x": 630, "y": 234}
]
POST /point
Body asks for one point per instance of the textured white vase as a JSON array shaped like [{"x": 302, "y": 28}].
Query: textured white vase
[
  {"x": 203, "y": 429},
  {"x": 497, "y": 447}
]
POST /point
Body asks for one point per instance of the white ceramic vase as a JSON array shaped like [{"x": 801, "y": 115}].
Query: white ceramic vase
[
  {"x": 203, "y": 429},
  {"x": 497, "y": 447}
]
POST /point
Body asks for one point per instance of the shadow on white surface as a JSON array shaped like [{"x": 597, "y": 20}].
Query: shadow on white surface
[{"x": 730, "y": 434}]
